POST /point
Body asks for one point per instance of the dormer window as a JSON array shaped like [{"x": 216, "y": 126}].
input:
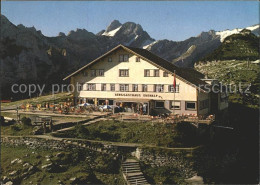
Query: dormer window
[
  {"x": 123, "y": 58},
  {"x": 101, "y": 72},
  {"x": 93, "y": 72},
  {"x": 126, "y": 58}
]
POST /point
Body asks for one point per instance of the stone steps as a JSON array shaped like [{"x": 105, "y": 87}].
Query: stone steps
[{"x": 132, "y": 172}]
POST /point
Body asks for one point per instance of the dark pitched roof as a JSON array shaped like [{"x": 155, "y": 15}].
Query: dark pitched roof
[{"x": 187, "y": 74}]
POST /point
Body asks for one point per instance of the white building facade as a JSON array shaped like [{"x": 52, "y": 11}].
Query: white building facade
[{"x": 132, "y": 77}]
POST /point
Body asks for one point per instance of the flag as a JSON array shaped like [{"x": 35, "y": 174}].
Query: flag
[{"x": 174, "y": 81}]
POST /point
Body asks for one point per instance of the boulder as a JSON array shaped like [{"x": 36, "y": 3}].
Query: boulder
[
  {"x": 9, "y": 183},
  {"x": 195, "y": 180},
  {"x": 5, "y": 179},
  {"x": 26, "y": 164},
  {"x": 73, "y": 179},
  {"x": 60, "y": 154},
  {"x": 32, "y": 169},
  {"x": 51, "y": 167},
  {"x": 13, "y": 173},
  {"x": 15, "y": 160}
]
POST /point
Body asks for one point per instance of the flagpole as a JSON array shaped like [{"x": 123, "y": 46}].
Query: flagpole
[{"x": 174, "y": 87}]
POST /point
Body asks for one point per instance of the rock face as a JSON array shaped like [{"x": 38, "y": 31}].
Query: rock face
[
  {"x": 185, "y": 53},
  {"x": 113, "y": 25},
  {"x": 27, "y": 56}
]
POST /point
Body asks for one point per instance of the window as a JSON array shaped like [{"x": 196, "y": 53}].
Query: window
[
  {"x": 126, "y": 57},
  {"x": 190, "y": 105},
  {"x": 93, "y": 72},
  {"x": 103, "y": 87},
  {"x": 135, "y": 87},
  {"x": 146, "y": 72},
  {"x": 91, "y": 87},
  {"x": 165, "y": 74},
  {"x": 137, "y": 59},
  {"x": 112, "y": 87},
  {"x": 176, "y": 105},
  {"x": 100, "y": 72},
  {"x": 204, "y": 104},
  {"x": 85, "y": 73},
  {"x": 123, "y": 58},
  {"x": 158, "y": 88},
  {"x": 124, "y": 87},
  {"x": 172, "y": 90},
  {"x": 156, "y": 73},
  {"x": 110, "y": 102},
  {"x": 123, "y": 72},
  {"x": 109, "y": 59},
  {"x": 144, "y": 88},
  {"x": 159, "y": 104}
]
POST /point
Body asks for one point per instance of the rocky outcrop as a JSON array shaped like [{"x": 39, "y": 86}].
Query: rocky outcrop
[{"x": 186, "y": 53}]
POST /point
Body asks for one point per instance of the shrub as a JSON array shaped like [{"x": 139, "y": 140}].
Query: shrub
[
  {"x": 81, "y": 131},
  {"x": 15, "y": 127},
  {"x": 26, "y": 121},
  {"x": 112, "y": 127},
  {"x": 106, "y": 164}
]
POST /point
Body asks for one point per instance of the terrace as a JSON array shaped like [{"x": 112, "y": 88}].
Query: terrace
[{"x": 67, "y": 109}]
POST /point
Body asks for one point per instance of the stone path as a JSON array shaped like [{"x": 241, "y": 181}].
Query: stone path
[
  {"x": 42, "y": 113},
  {"x": 120, "y": 144},
  {"x": 132, "y": 172},
  {"x": 88, "y": 122}
]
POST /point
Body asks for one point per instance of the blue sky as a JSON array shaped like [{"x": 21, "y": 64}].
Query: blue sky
[{"x": 173, "y": 20}]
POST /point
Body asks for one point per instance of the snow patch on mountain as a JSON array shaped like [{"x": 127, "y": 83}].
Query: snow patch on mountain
[
  {"x": 252, "y": 28},
  {"x": 145, "y": 45},
  {"x": 112, "y": 32},
  {"x": 226, "y": 33}
]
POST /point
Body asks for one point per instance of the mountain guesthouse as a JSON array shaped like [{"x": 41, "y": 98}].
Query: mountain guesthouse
[{"x": 137, "y": 80}]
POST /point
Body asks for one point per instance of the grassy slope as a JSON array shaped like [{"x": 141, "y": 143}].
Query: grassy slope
[
  {"x": 233, "y": 72},
  {"x": 60, "y": 97},
  {"x": 25, "y": 130},
  {"x": 148, "y": 133},
  {"x": 236, "y": 46},
  {"x": 74, "y": 167},
  {"x": 162, "y": 174}
]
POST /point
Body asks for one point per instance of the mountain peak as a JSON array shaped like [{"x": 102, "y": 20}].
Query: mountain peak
[
  {"x": 80, "y": 34},
  {"x": 113, "y": 25}
]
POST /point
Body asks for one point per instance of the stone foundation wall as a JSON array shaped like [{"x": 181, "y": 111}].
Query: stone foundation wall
[
  {"x": 57, "y": 145},
  {"x": 179, "y": 159}
]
